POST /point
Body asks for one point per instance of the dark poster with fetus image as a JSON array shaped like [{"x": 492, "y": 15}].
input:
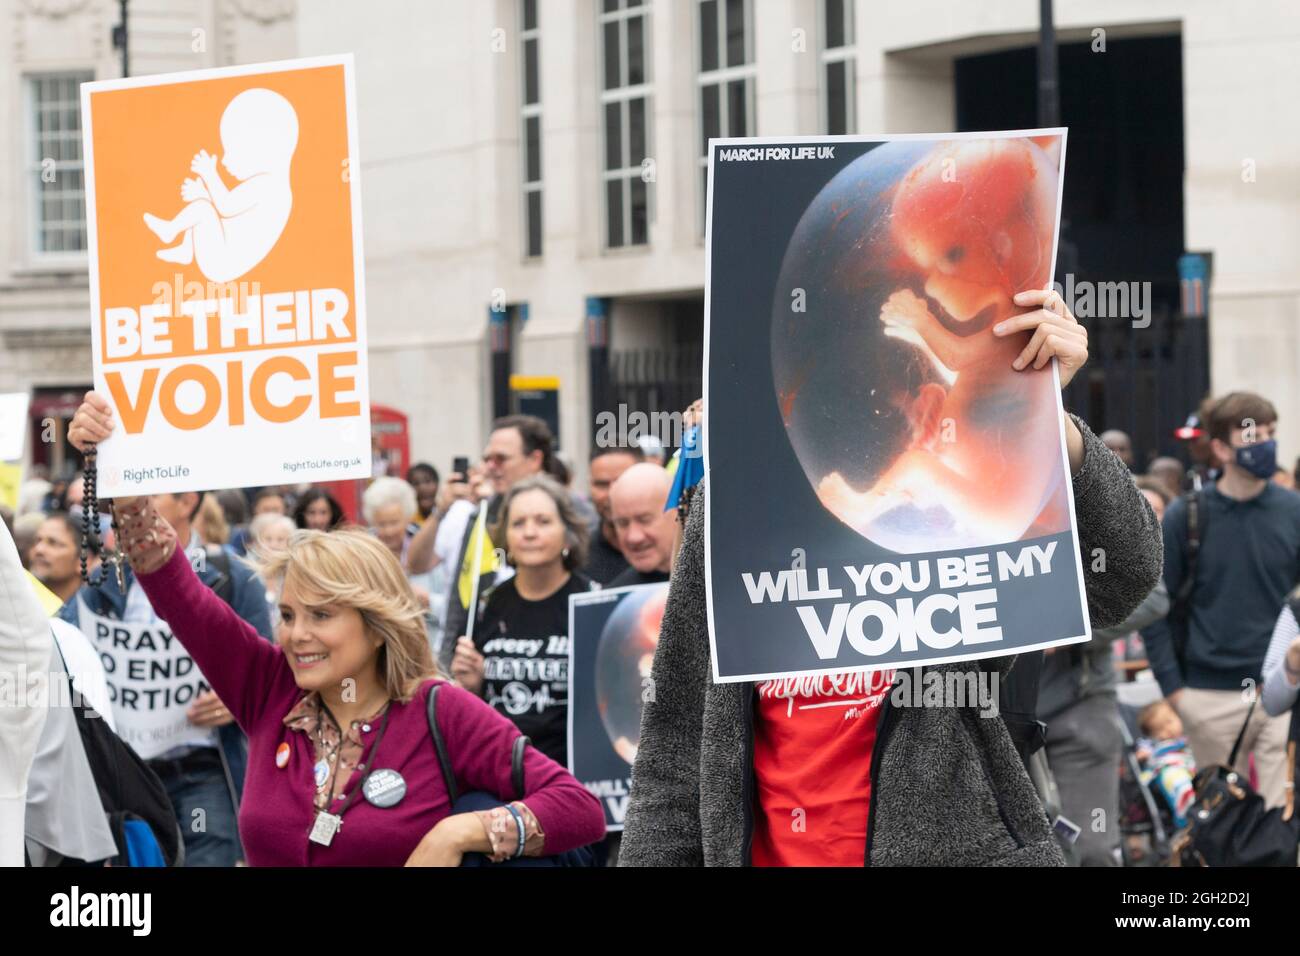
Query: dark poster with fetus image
[
  {"x": 613, "y": 636},
  {"x": 884, "y": 489}
]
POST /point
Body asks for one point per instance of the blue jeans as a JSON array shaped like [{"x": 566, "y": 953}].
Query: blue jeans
[{"x": 211, "y": 837}]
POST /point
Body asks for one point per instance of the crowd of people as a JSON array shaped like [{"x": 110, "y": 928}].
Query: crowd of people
[
  {"x": 244, "y": 544},
  {"x": 330, "y": 645},
  {"x": 1216, "y": 637}
]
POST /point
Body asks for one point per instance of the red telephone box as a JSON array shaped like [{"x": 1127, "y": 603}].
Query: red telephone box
[{"x": 390, "y": 448}]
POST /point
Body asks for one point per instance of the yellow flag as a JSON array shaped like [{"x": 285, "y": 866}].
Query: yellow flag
[
  {"x": 50, "y": 602},
  {"x": 480, "y": 546},
  {"x": 11, "y": 476}
]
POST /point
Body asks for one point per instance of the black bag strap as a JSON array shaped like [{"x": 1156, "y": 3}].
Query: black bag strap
[
  {"x": 1195, "y": 526},
  {"x": 1241, "y": 734},
  {"x": 444, "y": 761},
  {"x": 440, "y": 745},
  {"x": 1181, "y": 611},
  {"x": 517, "y": 765}
]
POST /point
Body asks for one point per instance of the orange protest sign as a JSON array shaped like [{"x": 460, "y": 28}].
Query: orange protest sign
[{"x": 227, "y": 277}]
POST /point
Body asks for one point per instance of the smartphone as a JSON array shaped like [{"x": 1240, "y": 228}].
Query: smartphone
[{"x": 461, "y": 467}]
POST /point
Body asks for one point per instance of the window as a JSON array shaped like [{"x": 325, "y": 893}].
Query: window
[
  {"x": 726, "y": 77},
  {"x": 838, "y": 58},
  {"x": 56, "y": 171},
  {"x": 531, "y": 130},
  {"x": 625, "y": 109}
]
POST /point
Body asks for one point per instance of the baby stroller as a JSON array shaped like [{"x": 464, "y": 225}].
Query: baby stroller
[{"x": 1146, "y": 823}]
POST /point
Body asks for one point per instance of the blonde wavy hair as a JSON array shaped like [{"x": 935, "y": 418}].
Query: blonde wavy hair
[{"x": 353, "y": 569}]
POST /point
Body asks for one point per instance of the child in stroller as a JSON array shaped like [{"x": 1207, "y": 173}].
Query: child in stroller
[
  {"x": 1147, "y": 815},
  {"x": 1168, "y": 764}
]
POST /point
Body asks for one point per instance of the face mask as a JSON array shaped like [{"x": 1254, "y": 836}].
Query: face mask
[{"x": 1260, "y": 459}]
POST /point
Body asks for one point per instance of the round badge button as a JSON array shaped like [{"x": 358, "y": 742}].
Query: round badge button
[
  {"x": 384, "y": 788},
  {"x": 282, "y": 756}
]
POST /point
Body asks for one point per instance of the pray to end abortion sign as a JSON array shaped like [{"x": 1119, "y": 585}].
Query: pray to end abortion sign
[
  {"x": 913, "y": 487},
  {"x": 226, "y": 276}
]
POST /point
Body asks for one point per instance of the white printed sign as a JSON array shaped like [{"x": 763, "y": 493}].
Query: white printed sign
[
  {"x": 152, "y": 681},
  {"x": 13, "y": 425},
  {"x": 226, "y": 276}
]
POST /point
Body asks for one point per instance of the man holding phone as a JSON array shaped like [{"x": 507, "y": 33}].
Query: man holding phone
[
  {"x": 428, "y": 548},
  {"x": 518, "y": 446},
  {"x": 457, "y": 501}
]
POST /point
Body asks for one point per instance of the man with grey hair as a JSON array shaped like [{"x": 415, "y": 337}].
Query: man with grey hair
[{"x": 645, "y": 530}]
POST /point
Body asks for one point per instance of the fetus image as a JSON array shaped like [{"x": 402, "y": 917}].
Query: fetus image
[
  {"x": 227, "y": 232},
  {"x": 623, "y": 659},
  {"x": 973, "y": 457}
]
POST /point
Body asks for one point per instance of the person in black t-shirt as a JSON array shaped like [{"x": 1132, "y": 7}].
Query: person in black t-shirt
[
  {"x": 645, "y": 530},
  {"x": 518, "y": 658}
]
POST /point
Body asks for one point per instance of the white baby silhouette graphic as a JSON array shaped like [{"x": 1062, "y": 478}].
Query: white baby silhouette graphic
[{"x": 228, "y": 231}]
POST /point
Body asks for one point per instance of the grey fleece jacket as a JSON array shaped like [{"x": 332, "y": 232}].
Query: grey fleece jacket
[{"x": 950, "y": 789}]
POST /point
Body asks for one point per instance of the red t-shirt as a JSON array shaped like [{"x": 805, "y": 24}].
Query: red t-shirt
[{"x": 813, "y": 738}]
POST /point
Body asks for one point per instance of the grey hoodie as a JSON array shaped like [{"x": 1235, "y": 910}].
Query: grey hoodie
[{"x": 949, "y": 788}]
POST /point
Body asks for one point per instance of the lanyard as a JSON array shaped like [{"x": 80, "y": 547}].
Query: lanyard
[{"x": 368, "y": 765}]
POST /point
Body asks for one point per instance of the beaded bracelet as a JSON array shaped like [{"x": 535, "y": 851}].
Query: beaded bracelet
[
  {"x": 519, "y": 822},
  {"x": 497, "y": 820}
]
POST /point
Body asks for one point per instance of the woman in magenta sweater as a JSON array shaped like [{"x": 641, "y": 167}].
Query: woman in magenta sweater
[{"x": 342, "y": 770}]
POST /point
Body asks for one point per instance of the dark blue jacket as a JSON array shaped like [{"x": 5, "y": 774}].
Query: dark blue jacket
[
  {"x": 245, "y": 593},
  {"x": 1248, "y": 562}
]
